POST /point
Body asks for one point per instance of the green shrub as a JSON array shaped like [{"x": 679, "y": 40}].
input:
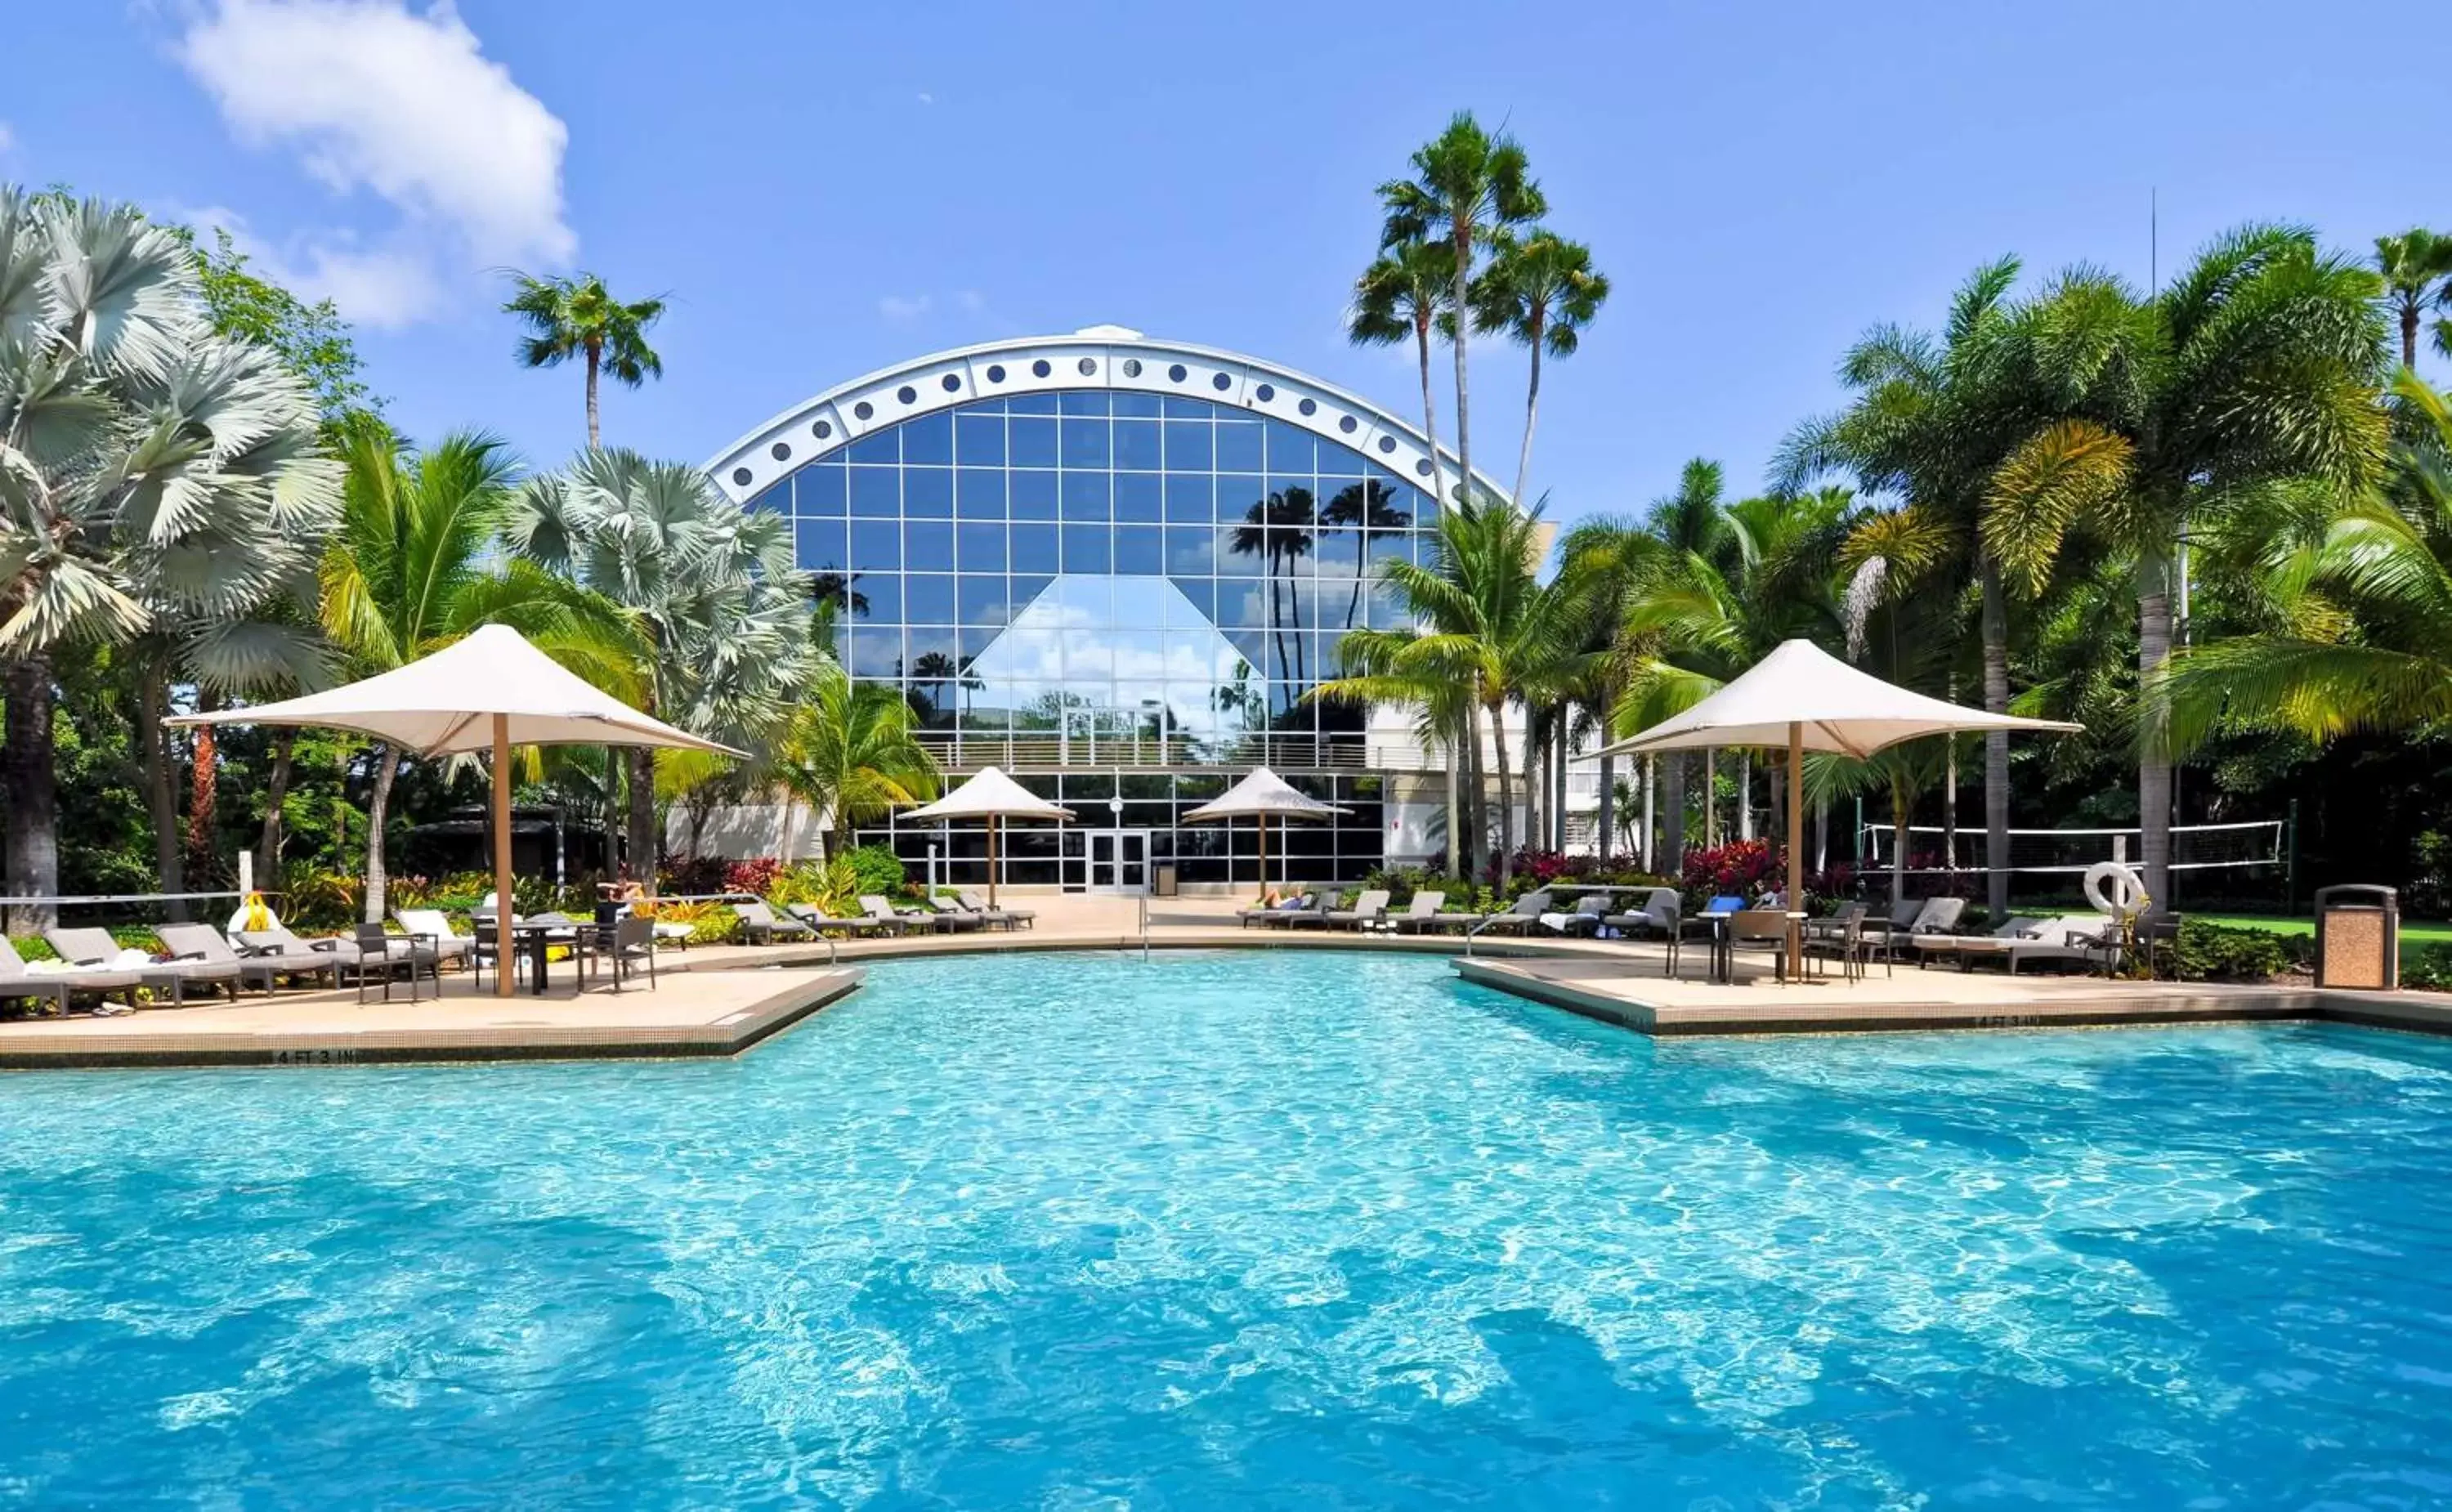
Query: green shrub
[
  {"x": 2221, "y": 952},
  {"x": 2428, "y": 968},
  {"x": 876, "y": 869}
]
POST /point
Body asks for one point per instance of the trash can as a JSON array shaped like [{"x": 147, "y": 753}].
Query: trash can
[
  {"x": 1162, "y": 879},
  {"x": 2357, "y": 936}
]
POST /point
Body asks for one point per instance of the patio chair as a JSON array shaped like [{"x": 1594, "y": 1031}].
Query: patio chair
[
  {"x": 1760, "y": 929},
  {"x": 1369, "y": 911},
  {"x": 1656, "y": 913},
  {"x": 1023, "y": 917},
  {"x": 202, "y": 942},
  {"x": 432, "y": 928},
  {"x": 1955, "y": 947},
  {"x": 1515, "y": 920},
  {"x": 369, "y": 952},
  {"x": 17, "y": 980},
  {"x": 1422, "y": 914},
  {"x": 1278, "y": 912},
  {"x": 760, "y": 925},
  {"x": 2086, "y": 940},
  {"x": 881, "y": 907},
  {"x": 296, "y": 958},
  {"x": 951, "y": 915},
  {"x": 634, "y": 945},
  {"x": 2156, "y": 936},
  {"x": 819, "y": 919},
  {"x": 1841, "y": 938},
  {"x": 1584, "y": 920},
  {"x": 94, "y": 947}
]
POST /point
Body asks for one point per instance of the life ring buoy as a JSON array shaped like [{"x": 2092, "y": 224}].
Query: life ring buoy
[{"x": 2115, "y": 888}]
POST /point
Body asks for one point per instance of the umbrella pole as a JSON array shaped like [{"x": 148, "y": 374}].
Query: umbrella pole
[
  {"x": 992, "y": 865},
  {"x": 501, "y": 855},
  {"x": 1795, "y": 849}
]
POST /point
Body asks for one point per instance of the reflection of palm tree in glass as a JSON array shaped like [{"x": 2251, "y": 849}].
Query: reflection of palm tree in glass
[
  {"x": 1279, "y": 527},
  {"x": 1243, "y": 706},
  {"x": 836, "y": 589},
  {"x": 933, "y": 670},
  {"x": 1362, "y": 508}
]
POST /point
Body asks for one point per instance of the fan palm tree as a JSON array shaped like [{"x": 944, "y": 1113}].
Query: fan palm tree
[
  {"x": 2259, "y": 363},
  {"x": 852, "y": 752},
  {"x": 1408, "y": 290},
  {"x": 413, "y": 569},
  {"x": 723, "y": 614},
  {"x": 157, "y": 482},
  {"x": 1466, "y": 187},
  {"x": 1541, "y": 291},
  {"x": 2416, "y": 267},
  {"x": 579, "y": 317}
]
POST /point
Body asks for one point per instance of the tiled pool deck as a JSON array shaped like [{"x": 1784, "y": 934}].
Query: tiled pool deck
[{"x": 723, "y": 1000}]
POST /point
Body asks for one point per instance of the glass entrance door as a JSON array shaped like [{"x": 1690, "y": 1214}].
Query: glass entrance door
[{"x": 1118, "y": 860}]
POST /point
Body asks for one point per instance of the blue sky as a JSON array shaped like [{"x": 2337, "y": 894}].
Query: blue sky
[{"x": 825, "y": 190}]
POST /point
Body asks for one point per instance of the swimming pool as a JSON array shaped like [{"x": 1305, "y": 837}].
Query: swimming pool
[{"x": 1282, "y": 1230}]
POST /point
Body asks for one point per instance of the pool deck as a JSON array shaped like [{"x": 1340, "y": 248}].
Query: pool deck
[{"x": 721, "y": 1000}]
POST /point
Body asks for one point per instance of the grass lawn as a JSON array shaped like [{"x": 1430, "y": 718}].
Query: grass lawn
[{"x": 2415, "y": 933}]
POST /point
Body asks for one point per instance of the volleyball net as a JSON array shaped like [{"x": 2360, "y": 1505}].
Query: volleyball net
[{"x": 2194, "y": 847}]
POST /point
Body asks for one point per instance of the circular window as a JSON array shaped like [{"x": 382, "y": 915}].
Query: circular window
[
  {"x": 1422, "y": 468},
  {"x": 863, "y": 409},
  {"x": 823, "y": 429},
  {"x": 740, "y": 476},
  {"x": 1089, "y": 367},
  {"x": 906, "y": 394},
  {"x": 995, "y": 372},
  {"x": 1132, "y": 367},
  {"x": 1346, "y": 423},
  {"x": 1221, "y": 383},
  {"x": 779, "y": 452},
  {"x": 1040, "y": 368},
  {"x": 1309, "y": 406},
  {"x": 1265, "y": 393},
  {"x": 952, "y": 383},
  {"x": 1386, "y": 443},
  {"x": 1175, "y": 373}
]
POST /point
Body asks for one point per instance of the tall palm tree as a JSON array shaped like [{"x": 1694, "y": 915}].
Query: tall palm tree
[
  {"x": 2259, "y": 363},
  {"x": 413, "y": 569},
  {"x": 724, "y": 615},
  {"x": 1466, "y": 187},
  {"x": 1408, "y": 290},
  {"x": 1362, "y": 508},
  {"x": 1541, "y": 291},
  {"x": 157, "y": 482},
  {"x": 1278, "y": 529},
  {"x": 852, "y": 752},
  {"x": 2417, "y": 271},
  {"x": 579, "y": 317}
]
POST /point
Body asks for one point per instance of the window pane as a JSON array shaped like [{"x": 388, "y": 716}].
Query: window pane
[
  {"x": 876, "y": 492},
  {"x": 876, "y": 597},
  {"x": 1034, "y": 495},
  {"x": 982, "y": 599},
  {"x": 876, "y": 653},
  {"x": 1189, "y": 501},
  {"x": 1085, "y": 402},
  {"x": 1033, "y": 442},
  {"x": 1085, "y": 497},
  {"x": 979, "y": 493},
  {"x": 819, "y": 545},
  {"x": 1242, "y": 499},
  {"x": 877, "y": 447},
  {"x": 978, "y": 439},
  {"x": 928, "y": 491},
  {"x": 1034, "y": 549},
  {"x": 1188, "y": 448},
  {"x": 1290, "y": 450},
  {"x": 1138, "y": 496},
  {"x": 1239, "y": 446},
  {"x": 1238, "y": 559},
  {"x": 928, "y": 546},
  {"x": 1031, "y": 404},
  {"x": 1138, "y": 406},
  {"x": 876, "y": 543},
  {"x": 1136, "y": 443},
  {"x": 1191, "y": 551},
  {"x": 1085, "y": 442},
  {"x": 928, "y": 599},
  {"x": 820, "y": 490},
  {"x": 776, "y": 499},
  {"x": 1139, "y": 549},
  {"x": 1086, "y": 548},
  {"x": 980, "y": 548},
  {"x": 930, "y": 439}
]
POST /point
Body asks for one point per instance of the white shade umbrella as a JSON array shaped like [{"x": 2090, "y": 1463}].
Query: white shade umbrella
[
  {"x": 1261, "y": 796},
  {"x": 995, "y": 797},
  {"x": 1802, "y": 699},
  {"x": 489, "y": 692}
]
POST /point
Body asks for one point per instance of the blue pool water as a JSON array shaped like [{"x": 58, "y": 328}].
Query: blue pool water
[{"x": 1076, "y": 1233}]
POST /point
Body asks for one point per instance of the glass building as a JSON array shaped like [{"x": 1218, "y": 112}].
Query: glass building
[{"x": 1115, "y": 568}]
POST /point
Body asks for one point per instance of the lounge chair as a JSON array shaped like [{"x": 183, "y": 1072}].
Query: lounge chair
[
  {"x": 881, "y": 907},
  {"x": 817, "y": 918},
  {"x": 1370, "y": 908},
  {"x": 954, "y": 916},
  {"x": 94, "y": 947},
  {"x": 1584, "y": 920},
  {"x": 296, "y": 958},
  {"x": 17, "y": 980},
  {"x": 760, "y": 925},
  {"x": 202, "y": 942},
  {"x": 1422, "y": 914},
  {"x": 1655, "y": 915},
  {"x": 432, "y": 928},
  {"x": 1955, "y": 947},
  {"x": 1278, "y": 912},
  {"x": 1515, "y": 920},
  {"x": 2082, "y": 939},
  {"x": 1022, "y": 917}
]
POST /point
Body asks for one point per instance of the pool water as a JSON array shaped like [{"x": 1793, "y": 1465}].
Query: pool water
[{"x": 1284, "y": 1231}]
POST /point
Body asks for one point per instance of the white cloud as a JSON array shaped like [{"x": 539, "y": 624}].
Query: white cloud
[
  {"x": 925, "y": 98},
  {"x": 386, "y": 289},
  {"x": 8, "y": 137},
  {"x": 372, "y": 95},
  {"x": 905, "y": 306},
  {"x": 970, "y": 301}
]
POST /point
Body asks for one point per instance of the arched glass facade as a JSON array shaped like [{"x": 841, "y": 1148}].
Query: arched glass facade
[{"x": 1121, "y": 597}]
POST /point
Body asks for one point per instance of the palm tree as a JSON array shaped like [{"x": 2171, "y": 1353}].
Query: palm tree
[
  {"x": 724, "y": 615},
  {"x": 2417, "y": 271},
  {"x": 157, "y": 482},
  {"x": 2257, "y": 365},
  {"x": 1486, "y": 625},
  {"x": 852, "y": 752},
  {"x": 1466, "y": 187},
  {"x": 1278, "y": 529},
  {"x": 413, "y": 569},
  {"x": 2361, "y": 637},
  {"x": 1540, "y": 289},
  {"x": 569, "y": 318},
  {"x": 1362, "y": 508},
  {"x": 1407, "y": 292}
]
